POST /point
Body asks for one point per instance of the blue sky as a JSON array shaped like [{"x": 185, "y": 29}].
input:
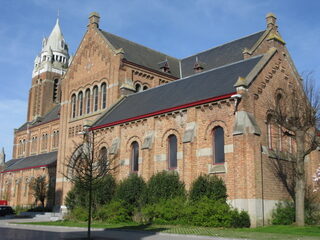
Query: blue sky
[{"x": 177, "y": 27}]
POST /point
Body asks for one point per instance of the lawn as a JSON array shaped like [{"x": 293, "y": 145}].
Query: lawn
[{"x": 260, "y": 233}]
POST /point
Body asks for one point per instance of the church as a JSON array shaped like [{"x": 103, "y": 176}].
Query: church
[{"x": 203, "y": 114}]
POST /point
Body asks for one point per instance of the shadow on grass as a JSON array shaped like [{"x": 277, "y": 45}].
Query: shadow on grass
[{"x": 142, "y": 228}]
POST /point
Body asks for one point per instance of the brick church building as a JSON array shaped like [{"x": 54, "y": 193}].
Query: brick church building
[{"x": 203, "y": 114}]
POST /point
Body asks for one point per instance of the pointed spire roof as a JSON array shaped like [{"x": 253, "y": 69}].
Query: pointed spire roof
[{"x": 56, "y": 40}]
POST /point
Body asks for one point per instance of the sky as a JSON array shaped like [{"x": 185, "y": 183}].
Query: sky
[{"x": 179, "y": 28}]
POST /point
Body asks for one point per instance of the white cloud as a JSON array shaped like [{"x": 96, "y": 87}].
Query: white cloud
[{"x": 12, "y": 115}]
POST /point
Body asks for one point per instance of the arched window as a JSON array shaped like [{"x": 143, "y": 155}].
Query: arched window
[
  {"x": 95, "y": 98},
  {"x": 135, "y": 157},
  {"x": 80, "y": 100},
  {"x": 88, "y": 101},
  {"x": 218, "y": 145},
  {"x": 138, "y": 87},
  {"x": 55, "y": 90},
  {"x": 172, "y": 151},
  {"x": 145, "y": 88},
  {"x": 73, "y": 106},
  {"x": 24, "y": 146},
  {"x": 103, "y": 96},
  {"x": 104, "y": 153}
]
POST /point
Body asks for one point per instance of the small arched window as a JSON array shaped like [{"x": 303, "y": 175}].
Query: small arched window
[
  {"x": 73, "y": 106},
  {"x": 138, "y": 87},
  {"x": 145, "y": 88},
  {"x": 135, "y": 157},
  {"x": 172, "y": 151},
  {"x": 87, "y": 101},
  {"x": 95, "y": 98},
  {"x": 80, "y": 100},
  {"x": 103, "y": 96},
  {"x": 218, "y": 145}
]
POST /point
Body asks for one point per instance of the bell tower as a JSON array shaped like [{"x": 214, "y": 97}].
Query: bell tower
[{"x": 49, "y": 67}]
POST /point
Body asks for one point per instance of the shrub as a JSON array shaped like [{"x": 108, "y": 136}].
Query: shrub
[
  {"x": 130, "y": 191},
  {"x": 79, "y": 214},
  {"x": 283, "y": 214},
  {"x": 240, "y": 219},
  {"x": 114, "y": 212},
  {"x": 169, "y": 211},
  {"x": 209, "y": 213},
  {"x": 106, "y": 190},
  {"x": 209, "y": 186},
  {"x": 102, "y": 193},
  {"x": 164, "y": 185}
]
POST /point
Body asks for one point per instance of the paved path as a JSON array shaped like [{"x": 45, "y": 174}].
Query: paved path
[{"x": 36, "y": 232}]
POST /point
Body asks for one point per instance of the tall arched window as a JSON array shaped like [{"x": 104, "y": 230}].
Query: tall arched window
[
  {"x": 95, "y": 98},
  {"x": 104, "y": 153},
  {"x": 80, "y": 100},
  {"x": 135, "y": 157},
  {"x": 103, "y": 96},
  {"x": 88, "y": 101},
  {"x": 24, "y": 143},
  {"x": 172, "y": 151},
  {"x": 218, "y": 145},
  {"x": 73, "y": 106}
]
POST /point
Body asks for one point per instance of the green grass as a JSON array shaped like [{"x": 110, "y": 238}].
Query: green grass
[{"x": 260, "y": 233}]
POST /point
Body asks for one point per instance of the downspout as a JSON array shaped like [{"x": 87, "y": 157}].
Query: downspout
[{"x": 262, "y": 185}]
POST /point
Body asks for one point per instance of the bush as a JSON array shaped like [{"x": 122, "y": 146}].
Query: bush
[
  {"x": 79, "y": 214},
  {"x": 209, "y": 186},
  {"x": 204, "y": 212},
  {"x": 106, "y": 190},
  {"x": 240, "y": 220},
  {"x": 164, "y": 185},
  {"x": 130, "y": 191},
  {"x": 114, "y": 212},
  {"x": 102, "y": 194},
  {"x": 169, "y": 211},
  {"x": 283, "y": 214},
  {"x": 209, "y": 213}
]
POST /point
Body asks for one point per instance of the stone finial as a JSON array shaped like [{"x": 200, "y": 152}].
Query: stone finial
[
  {"x": 271, "y": 20},
  {"x": 94, "y": 19}
]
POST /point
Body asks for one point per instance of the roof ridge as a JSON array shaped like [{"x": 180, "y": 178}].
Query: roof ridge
[
  {"x": 197, "y": 74},
  {"x": 221, "y": 45},
  {"x": 141, "y": 45}
]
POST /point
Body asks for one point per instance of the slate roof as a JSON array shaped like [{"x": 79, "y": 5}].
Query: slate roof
[
  {"x": 221, "y": 55},
  {"x": 212, "y": 58},
  {"x": 205, "y": 85},
  {"x": 50, "y": 116},
  {"x": 32, "y": 161},
  {"x": 142, "y": 55}
]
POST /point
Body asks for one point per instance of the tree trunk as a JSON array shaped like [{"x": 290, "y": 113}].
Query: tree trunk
[
  {"x": 89, "y": 211},
  {"x": 300, "y": 179}
]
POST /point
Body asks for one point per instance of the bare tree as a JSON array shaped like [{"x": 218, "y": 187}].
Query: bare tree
[
  {"x": 87, "y": 166},
  {"x": 296, "y": 112},
  {"x": 39, "y": 188}
]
